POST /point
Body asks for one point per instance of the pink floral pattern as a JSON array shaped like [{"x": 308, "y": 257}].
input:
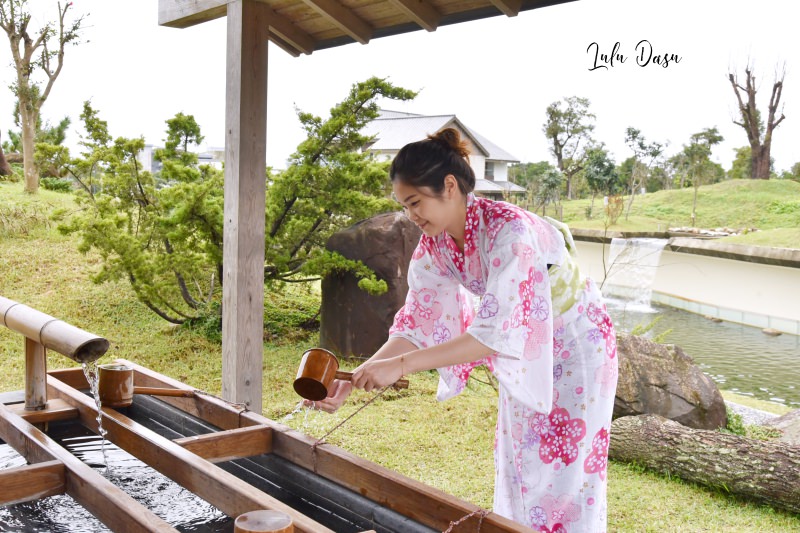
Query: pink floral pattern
[
  {"x": 597, "y": 461},
  {"x": 557, "y": 367}
]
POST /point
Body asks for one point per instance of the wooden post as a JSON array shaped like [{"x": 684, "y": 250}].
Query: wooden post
[
  {"x": 245, "y": 200},
  {"x": 35, "y": 375}
]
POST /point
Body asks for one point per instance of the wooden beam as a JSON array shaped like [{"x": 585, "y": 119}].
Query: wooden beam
[
  {"x": 291, "y": 34},
  {"x": 110, "y": 504},
  {"x": 220, "y": 488},
  {"x": 343, "y": 18},
  {"x": 245, "y": 200},
  {"x": 508, "y": 7},
  {"x": 231, "y": 444},
  {"x": 56, "y": 410},
  {"x": 74, "y": 377},
  {"x": 278, "y": 41},
  {"x": 185, "y": 13},
  {"x": 32, "y": 482},
  {"x": 421, "y": 12}
]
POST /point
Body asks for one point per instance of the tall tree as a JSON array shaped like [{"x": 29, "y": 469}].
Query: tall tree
[
  {"x": 758, "y": 134},
  {"x": 569, "y": 132},
  {"x": 32, "y": 51},
  {"x": 644, "y": 155}
]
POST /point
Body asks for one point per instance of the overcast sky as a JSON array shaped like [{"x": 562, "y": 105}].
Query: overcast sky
[{"x": 497, "y": 75}]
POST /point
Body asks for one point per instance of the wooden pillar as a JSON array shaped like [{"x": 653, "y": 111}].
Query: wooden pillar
[
  {"x": 35, "y": 375},
  {"x": 245, "y": 189}
]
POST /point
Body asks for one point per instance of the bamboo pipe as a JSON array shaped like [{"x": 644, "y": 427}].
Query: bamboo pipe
[{"x": 77, "y": 344}]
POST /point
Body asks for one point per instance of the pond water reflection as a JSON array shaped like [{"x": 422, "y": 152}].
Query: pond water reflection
[{"x": 738, "y": 358}]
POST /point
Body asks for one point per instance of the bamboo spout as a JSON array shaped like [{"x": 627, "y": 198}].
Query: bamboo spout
[{"x": 54, "y": 334}]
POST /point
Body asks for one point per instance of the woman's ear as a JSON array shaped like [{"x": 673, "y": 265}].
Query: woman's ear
[{"x": 450, "y": 185}]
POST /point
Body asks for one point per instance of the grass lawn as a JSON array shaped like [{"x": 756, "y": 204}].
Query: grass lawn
[{"x": 447, "y": 445}]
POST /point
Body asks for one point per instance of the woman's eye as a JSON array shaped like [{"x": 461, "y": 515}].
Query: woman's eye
[{"x": 415, "y": 204}]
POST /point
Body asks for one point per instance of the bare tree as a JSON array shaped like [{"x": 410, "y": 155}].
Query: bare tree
[
  {"x": 760, "y": 138},
  {"x": 43, "y": 51}
]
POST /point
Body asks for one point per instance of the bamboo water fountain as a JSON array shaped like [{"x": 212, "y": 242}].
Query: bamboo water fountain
[{"x": 219, "y": 462}]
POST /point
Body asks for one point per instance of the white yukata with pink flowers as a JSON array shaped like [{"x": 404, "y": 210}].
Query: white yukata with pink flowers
[{"x": 555, "y": 357}]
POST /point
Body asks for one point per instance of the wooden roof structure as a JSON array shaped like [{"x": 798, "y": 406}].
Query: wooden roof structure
[
  {"x": 303, "y": 26},
  {"x": 298, "y": 27}
]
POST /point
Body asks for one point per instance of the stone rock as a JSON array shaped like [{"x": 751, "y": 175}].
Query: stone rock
[
  {"x": 661, "y": 379},
  {"x": 354, "y": 323},
  {"x": 789, "y": 425}
]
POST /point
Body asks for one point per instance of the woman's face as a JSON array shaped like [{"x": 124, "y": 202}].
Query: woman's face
[{"x": 432, "y": 214}]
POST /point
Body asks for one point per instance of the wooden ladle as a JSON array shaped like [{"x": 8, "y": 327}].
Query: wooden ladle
[
  {"x": 318, "y": 369},
  {"x": 116, "y": 387}
]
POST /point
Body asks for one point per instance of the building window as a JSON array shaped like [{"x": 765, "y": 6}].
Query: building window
[{"x": 489, "y": 170}]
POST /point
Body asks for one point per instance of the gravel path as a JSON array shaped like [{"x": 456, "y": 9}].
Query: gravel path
[{"x": 750, "y": 415}]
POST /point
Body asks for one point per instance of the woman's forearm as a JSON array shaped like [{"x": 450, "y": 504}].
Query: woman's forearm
[
  {"x": 393, "y": 347},
  {"x": 463, "y": 349}
]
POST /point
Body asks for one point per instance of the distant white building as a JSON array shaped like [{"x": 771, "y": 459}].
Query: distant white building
[
  {"x": 394, "y": 129},
  {"x": 213, "y": 156}
]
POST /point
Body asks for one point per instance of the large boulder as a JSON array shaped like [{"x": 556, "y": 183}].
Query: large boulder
[
  {"x": 661, "y": 379},
  {"x": 789, "y": 426},
  {"x": 352, "y": 322}
]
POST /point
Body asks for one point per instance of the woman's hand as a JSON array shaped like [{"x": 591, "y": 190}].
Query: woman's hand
[
  {"x": 378, "y": 374},
  {"x": 337, "y": 395}
]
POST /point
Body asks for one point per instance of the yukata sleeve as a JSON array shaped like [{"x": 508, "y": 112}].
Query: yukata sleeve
[
  {"x": 515, "y": 316},
  {"x": 436, "y": 310}
]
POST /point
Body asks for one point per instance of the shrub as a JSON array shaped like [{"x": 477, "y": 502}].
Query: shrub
[{"x": 56, "y": 184}]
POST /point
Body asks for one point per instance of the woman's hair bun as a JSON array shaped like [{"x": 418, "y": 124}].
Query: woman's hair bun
[{"x": 451, "y": 139}]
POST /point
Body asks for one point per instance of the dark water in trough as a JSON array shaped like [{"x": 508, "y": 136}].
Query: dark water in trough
[
  {"x": 738, "y": 358},
  {"x": 56, "y": 514}
]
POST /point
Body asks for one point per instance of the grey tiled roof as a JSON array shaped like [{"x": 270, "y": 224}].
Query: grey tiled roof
[{"x": 394, "y": 129}]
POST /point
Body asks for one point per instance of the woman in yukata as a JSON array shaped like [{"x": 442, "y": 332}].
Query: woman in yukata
[{"x": 540, "y": 327}]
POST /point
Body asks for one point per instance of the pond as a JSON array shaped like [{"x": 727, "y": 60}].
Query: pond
[{"x": 738, "y": 358}]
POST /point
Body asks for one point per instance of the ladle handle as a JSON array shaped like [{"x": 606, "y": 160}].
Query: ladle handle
[
  {"x": 347, "y": 376},
  {"x": 155, "y": 391}
]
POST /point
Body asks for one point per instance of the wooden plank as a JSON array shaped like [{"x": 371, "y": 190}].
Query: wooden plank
[
  {"x": 245, "y": 197},
  {"x": 56, "y": 410},
  {"x": 74, "y": 377},
  {"x": 222, "y": 489},
  {"x": 231, "y": 444},
  {"x": 508, "y": 7},
  {"x": 378, "y": 483},
  {"x": 421, "y": 12},
  {"x": 185, "y": 13},
  {"x": 278, "y": 41},
  {"x": 343, "y": 18},
  {"x": 32, "y": 482},
  {"x": 99, "y": 496}
]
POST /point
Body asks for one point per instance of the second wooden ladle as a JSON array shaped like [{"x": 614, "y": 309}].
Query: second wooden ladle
[{"x": 318, "y": 369}]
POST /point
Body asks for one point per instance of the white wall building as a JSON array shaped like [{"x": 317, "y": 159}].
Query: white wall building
[{"x": 394, "y": 129}]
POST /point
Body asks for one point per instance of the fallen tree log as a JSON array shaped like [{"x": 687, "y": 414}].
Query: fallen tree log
[{"x": 764, "y": 471}]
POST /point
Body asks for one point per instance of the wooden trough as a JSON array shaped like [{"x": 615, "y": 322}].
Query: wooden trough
[{"x": 215, "y": 449}]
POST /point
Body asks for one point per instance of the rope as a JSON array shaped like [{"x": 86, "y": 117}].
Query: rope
[
  {"x": 321, "y": 440},
  {"x": 481, "y": 513},
  {"x": 240, "y": 406}
]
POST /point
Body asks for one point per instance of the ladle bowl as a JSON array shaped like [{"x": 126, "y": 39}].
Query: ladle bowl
[
  {"x": 116, "y": 389},
  {"x": 318, "y": 368}
]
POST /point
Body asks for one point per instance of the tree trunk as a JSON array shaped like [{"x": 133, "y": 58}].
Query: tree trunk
[
  {"x": 28, "y": 124},
  {"x": 760, "y": 162},
  {"x": 764, "y": 471}
]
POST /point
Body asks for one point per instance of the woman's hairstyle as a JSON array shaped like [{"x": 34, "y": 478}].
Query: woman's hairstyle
[{"x": 426, "y": 163}]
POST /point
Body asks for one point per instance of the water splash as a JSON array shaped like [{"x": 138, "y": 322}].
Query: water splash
[
  {"x": 92, "y": 376},
  {"x": 310, "y": 419}
]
